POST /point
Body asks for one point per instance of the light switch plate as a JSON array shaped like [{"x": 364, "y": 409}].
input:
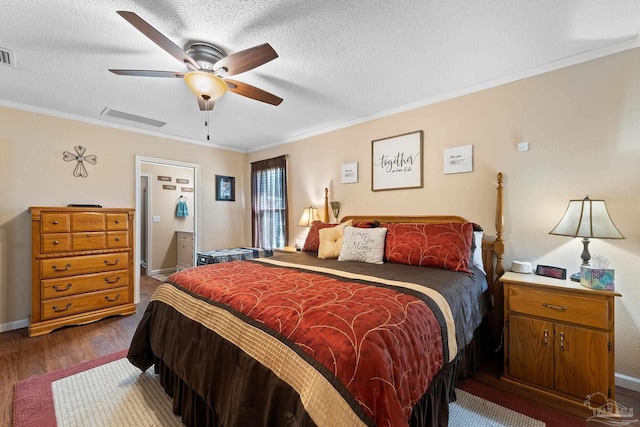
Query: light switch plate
[
  {"x": 523, "y": 146},
  {"x": 155, "y": 218}
]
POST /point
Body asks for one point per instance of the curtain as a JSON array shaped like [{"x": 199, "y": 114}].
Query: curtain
[{"x": 269, "y": 203}]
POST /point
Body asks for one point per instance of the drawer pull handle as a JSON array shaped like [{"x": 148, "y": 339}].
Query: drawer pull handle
[
  {"x": 117, "y": 221},
  {"x": 55, "y": 242},
  {"x": 66, "y": 267},
  {"x": 561, "y": 341},
  {"x": 555, "y": 307},
  {"x": 55, "y": 222},
  {"x": 106, "y": 261},
  {"x": 57, "y": 289},
  {"x": 56, "y": 308},
  {"x": 112, "y": 299},
  {"x": 117, "y": 239},
  {"x": 106, "y": 279},
  {"x": 546, "y": 337}
]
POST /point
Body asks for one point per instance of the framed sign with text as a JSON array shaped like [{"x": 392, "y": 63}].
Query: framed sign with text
[{"x": 396, "y": 162}]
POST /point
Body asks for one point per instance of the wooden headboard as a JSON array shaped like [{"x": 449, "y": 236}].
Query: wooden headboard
[{"x": 492, "y": 247}]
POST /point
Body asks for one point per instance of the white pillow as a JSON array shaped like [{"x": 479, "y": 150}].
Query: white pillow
[
  {"x": 477, "y": 252},
  {"x": 363, "y": 245}
]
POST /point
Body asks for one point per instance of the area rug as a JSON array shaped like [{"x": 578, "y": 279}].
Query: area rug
[{"x": 111, "y": 392}]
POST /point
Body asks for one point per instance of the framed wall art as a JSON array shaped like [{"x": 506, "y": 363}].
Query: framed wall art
[
  {"x": 396, "y": 162},
  {"x": 349, "y": 173},
  {"x": 225, "y": 188},
  {"x": 458, "y": 159}
]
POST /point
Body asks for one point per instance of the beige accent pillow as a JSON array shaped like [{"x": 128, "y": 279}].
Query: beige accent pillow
[{"x": 331, "y": 241}]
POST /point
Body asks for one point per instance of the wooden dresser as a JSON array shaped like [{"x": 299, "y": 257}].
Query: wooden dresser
[
  {"x": 559, "y": 341},
  {"x": 81, "y": 266}
]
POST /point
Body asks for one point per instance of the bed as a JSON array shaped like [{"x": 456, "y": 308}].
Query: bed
[{"x": 296, "y": 340}]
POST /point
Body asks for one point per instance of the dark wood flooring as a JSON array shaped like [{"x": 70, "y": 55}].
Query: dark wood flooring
[{"x": 22, "y": 357}]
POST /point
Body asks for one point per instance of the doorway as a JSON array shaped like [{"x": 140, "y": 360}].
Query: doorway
[{"x": 153, "y": 174}]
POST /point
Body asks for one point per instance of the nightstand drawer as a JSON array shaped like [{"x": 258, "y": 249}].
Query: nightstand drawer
[{"x": 565, "y": 306}]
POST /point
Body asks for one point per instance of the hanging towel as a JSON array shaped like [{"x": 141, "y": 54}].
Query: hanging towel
[{"x": 181, "y": 209}]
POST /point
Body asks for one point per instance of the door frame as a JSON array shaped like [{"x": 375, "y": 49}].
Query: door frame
[
  {"x": 147, "y": 219},
  {"x": 139, "y": 160}
]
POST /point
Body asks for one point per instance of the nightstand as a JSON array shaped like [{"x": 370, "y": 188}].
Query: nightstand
[{"x": 559, "y": 340}]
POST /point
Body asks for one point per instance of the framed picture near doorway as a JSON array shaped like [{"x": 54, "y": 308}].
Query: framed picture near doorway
[{"x": 225, "y": 188}]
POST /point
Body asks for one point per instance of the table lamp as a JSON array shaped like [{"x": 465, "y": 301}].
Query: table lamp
[{"x": 586, "y": 218}]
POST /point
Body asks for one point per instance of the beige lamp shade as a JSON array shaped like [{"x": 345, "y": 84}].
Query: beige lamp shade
[
  {"x": 205, "y": 85},
  {"x": 587, "y": 218},
  {"x": 309, "y": 216}
]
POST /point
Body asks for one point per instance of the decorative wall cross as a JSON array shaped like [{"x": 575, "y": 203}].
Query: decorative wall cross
[{"x": 80, "y": 170}]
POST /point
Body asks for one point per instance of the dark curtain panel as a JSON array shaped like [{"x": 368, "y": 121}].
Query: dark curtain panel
[{"x": 269, "y": 203}]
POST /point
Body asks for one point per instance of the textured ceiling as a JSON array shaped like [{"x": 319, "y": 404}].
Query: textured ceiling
[{"x": 340, "y": 61}]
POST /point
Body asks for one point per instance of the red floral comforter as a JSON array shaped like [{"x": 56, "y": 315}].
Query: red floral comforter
[{"x": 384, "y": 345}]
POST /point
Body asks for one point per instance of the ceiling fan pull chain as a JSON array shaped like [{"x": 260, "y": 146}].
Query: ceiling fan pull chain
[{"x": 207, "y": 122}]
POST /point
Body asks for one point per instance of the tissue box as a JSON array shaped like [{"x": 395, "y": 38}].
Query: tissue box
[{"x": 597, "y": 278}]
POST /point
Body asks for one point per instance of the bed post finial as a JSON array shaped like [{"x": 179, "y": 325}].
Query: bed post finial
[
  {"x": 499, "y": 244},
  {"x": 326, "y": 205}
]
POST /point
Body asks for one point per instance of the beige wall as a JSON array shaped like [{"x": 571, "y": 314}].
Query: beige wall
[
  {"x": 583, "y": 127},
  {"x": 33, "y": 173}
]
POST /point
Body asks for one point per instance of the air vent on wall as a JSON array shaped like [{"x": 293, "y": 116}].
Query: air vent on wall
[
  {"x": 132, "y": 117},
  {"x": 7, "y": 57}
]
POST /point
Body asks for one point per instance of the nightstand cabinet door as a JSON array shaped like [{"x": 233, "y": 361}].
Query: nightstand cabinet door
[
  {"x": 531, "y": 350},
  {"x": 582, "y": 360}
]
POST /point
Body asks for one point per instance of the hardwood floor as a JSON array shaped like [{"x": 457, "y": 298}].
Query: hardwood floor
[{"x": 22, "y": 357}]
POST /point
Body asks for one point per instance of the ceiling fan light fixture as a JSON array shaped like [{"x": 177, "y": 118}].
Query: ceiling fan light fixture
[{"x": 203, "y": 83}]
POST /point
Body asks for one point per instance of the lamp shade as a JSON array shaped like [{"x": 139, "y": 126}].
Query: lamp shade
[
  {"x": 309, "y": 216},
  {"x": 587, "y": 218},
  {"x": 205, "y": 85}
]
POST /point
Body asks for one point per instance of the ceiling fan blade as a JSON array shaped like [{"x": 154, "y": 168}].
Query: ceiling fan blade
[
  {"x": 252, "y": 92},
  {"x": 148, "y": 73},
  {"x": 246, "y": 60},
  {"x": 205, "y": 105},
  {"x": 158, "y": 38}
]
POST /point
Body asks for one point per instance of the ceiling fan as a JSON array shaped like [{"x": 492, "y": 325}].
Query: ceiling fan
[{"x": 208, "y": 66}]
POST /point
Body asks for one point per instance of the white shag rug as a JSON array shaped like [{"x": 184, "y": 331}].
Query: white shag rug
[
  {"x": 118, "y": 394},
  {"x": 470, "y": 410}
]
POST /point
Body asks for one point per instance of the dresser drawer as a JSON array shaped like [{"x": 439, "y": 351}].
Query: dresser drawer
[
  {"x": 88, "y": 241},
  {"x": 66, "y": 306},
  {"x": 117, "y": 221},
  {"x": 56, "y": 288},
  {"x": 72, "y": 266},
  {"x": 565, "y": 306},
  {"x": 55, "y": 222},
  {"x": 117, "y": 239},
  {"x": 55, "y": 242},
  {"x": 87, "y": 221}
]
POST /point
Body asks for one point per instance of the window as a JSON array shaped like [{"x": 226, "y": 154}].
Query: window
[{"x": 269, "y": 203}]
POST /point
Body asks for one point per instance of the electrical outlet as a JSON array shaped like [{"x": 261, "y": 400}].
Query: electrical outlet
[{"x": 523, "y": 146}]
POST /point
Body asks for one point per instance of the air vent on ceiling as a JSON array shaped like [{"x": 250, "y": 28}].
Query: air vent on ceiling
[
  {"x": 132, "y": 117},
  {"x": 7, "y": 57}
]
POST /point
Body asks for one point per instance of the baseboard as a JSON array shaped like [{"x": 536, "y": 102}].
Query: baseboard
[
  {"x": 625, "y": 381},
  {"x": 18, "y": 324},
  {"x": 162, "y": 271}
]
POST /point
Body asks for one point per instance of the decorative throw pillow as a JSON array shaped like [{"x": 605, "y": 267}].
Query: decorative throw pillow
[
  {"x": 331, "y": 240},
  {"x": 445, "y": 246},
  {"x": 363, "y": 245},
  {"x": 312, "y": 241}
]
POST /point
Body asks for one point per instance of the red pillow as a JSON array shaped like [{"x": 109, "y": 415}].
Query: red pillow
[
  {"x": 445, "y": 246},
  {"x": 313, "y": 238}
]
